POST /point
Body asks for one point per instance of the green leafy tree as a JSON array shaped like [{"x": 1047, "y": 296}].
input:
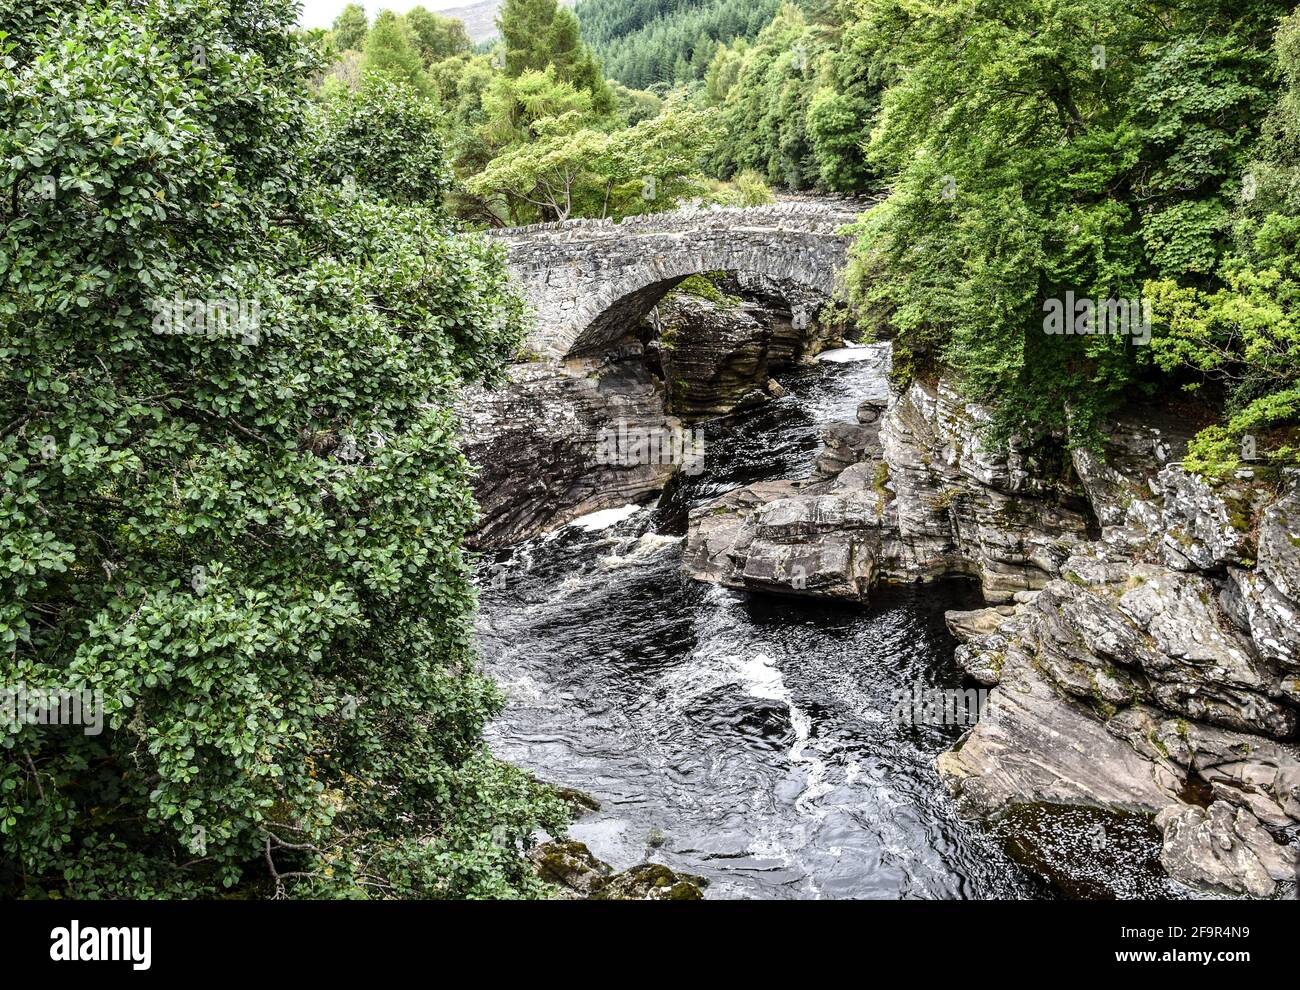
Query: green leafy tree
[
  {"x": 436, "y": 37},
  {"x": 635, "y": 105},
  {"x": 571, "y": 170},
  {"x": 350, "y": 28},
  {"x": 798, "y": 102},
  {"x": 1061, "y": 146},
  {"x": 545, "y": 173},
  {"x": 643, "y": 43},
  {"x": 1242, "y": 334},
  {"x": 242, "y": 528},
  {"x": 539, "y": 35},
  {"x": 384, "y": 138}
]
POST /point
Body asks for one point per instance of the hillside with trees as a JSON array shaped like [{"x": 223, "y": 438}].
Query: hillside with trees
[{"x": 661, "y": 43}]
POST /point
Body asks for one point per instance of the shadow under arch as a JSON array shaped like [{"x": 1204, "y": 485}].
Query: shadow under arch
[{"x": 620, "y": 306}]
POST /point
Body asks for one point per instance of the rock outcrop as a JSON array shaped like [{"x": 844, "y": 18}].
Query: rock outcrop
[
  {"x": 534, "y": 442},
  {"x": 1010, "y": 520},
  {"x": 824, "y": 538},
  {"x": 905, "y": 493},
  {"x": 1132, "y": 686},
  {"x": 1225, "y": 849},
  {"x": 1142, "y": 638},
  {"x": 714, "y": 355}
]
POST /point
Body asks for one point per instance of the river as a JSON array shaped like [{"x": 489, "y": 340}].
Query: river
[{"x": 750, "y": 740}]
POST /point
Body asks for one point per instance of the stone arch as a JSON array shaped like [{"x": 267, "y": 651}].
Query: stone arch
[
  {"x": 587, "y": 281},
  {"x": 623, "y": 301}
]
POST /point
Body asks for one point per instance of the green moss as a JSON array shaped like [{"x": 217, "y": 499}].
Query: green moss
[
  {"x": 703, "y": 287},
  {"x": 999, "y": 661},
  {"x": 1158, "y": 743},
  {"x": 650, "y": 882},
  {"x": 945, "y": 499},
  {"x": 878, "y": 481},
  {"x": 1240, "y": 513}
]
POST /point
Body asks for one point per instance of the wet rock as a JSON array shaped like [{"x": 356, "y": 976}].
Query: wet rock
[
  {"x": 986, "y": 635},
  {"x": 1271, "y": 619},
  {"x": 719, "y": 356},
  {"x": 1201, "y": 666},
  {"x": 720, "y": 532},
  {"x": 845, "y": 444},
  {"x": 977, "y": 622},
  {"x": 1120, "y": 480},
  {"x": 964, "y": 509},
  {"x": 1279, "y": 545},
  {"x": 579, "y": 802},
  {"x": 822, "y": 540},
  {"x": 534, "y": 442},
  {"x": 571, "y": 866},
  {"x": 1032, "y": 745},
  {"x": 1240, "y": 768},
  {"x": 1223, "y": 849}
]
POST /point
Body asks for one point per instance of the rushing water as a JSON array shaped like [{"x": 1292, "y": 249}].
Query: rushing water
[{"x": 750, "y": 740}]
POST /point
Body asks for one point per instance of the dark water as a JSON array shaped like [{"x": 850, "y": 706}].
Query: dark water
[{"x": 750, "y": 740}]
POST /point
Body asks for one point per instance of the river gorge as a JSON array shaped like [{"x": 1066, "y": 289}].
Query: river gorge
[{"x": 749, "y": 662}]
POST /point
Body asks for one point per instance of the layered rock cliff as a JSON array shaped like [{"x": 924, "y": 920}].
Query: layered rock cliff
[
  {"x": 1141, "y": 638},
  {"x": 534, "y": 442}
]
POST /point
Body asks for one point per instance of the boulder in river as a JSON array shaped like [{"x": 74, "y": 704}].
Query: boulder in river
[{"x": 570, "y": 865}]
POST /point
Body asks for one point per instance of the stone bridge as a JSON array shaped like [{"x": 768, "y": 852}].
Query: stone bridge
[{"x": 588, "y": 281}]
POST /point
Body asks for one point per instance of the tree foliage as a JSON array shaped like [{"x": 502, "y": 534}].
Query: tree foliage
[
  {"x": 1241, "y": 331},
  {"x": 567, "y": 169},
  {"x": 245, "y": 535},
  {"x": 1046, "y": 148},
  {"x": 436, "y": 37},
  {"x": 797, "y": 103},
  {"x": 391, "y": 50},
  {"x": 350, "y": 28},
  {"x": 540, "y": 36}
]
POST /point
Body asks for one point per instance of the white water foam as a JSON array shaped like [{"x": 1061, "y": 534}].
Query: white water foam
[
  {"x": 647, "y": 546},
  {"x": 593, "y": 522}
]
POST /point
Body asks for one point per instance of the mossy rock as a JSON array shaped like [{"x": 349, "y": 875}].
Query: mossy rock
[
  {"x": 579, "y": 802},
  {"x": 651, "y": 882},
  {"x": 569, "y": 864}
]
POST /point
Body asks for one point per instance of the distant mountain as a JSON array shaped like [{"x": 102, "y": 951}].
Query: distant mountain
[{"x": 480, "y": 19}]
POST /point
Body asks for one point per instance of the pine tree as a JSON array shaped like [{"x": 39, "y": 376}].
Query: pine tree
[{"x": 390, "y": 50}]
